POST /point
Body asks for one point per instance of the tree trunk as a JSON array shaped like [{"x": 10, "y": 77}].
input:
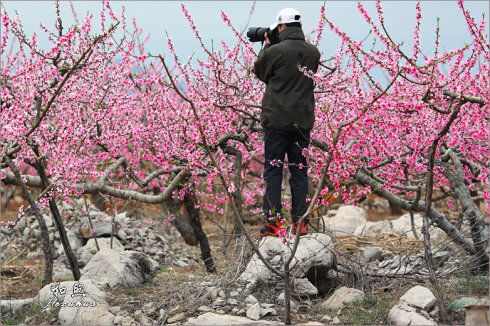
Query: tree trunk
[
  {"x": 181, "y": 222},
  {"x": 72, "y": 259},
  {"x": 479, "y": 229},
  {"x": 48, "y": 252},
  {"x": 190, "y": 202}
]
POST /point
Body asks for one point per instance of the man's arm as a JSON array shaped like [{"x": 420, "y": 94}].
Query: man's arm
[{"x": 262, "y": 65}]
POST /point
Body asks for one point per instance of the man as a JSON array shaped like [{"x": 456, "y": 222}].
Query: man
[{"x": 287, "y": 117}]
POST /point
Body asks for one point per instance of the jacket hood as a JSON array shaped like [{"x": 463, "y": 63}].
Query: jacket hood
[{"x": 292, "y": 33}]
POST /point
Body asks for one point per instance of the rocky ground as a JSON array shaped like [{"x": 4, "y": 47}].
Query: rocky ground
[{"x": 352, "y": 270}]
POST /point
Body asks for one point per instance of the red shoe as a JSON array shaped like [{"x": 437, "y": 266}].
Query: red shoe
[
  {"x": 303, "y": 230},
  {"x": 270, "y": 229}
]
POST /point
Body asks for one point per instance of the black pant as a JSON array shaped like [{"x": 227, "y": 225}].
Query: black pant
[{"x": 278, "y": 143}]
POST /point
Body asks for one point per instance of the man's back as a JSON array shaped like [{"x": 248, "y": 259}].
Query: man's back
[{"x": 288, "y": 102}]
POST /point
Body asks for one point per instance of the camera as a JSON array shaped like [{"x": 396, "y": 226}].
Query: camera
[{"x": 256, "y": 34}]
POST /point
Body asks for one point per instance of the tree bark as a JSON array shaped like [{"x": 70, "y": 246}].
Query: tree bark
[
  {"x": 190, "y": 202},
  {"x": 48, "y": 252},
  {"x": 479, "y": 229},
  {"x": 72, "y": 259},
  {"x": 182, "y": 221}
]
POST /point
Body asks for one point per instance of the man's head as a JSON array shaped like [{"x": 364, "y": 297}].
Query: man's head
[{"x": 287, "y": 17}]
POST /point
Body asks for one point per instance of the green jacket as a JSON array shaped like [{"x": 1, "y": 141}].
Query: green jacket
[{"x": 288, "y": 102}]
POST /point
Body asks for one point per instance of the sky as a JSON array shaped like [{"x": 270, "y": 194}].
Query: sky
[{"x": 156, "y": 17}]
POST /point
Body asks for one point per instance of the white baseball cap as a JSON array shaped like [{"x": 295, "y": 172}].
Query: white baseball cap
[{"x": 286, "y": 15}]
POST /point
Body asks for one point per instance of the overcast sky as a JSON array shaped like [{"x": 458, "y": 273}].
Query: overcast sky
[{"x": 157, "y": 16}]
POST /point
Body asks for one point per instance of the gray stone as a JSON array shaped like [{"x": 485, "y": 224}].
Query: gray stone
[
  {"x": 61, "y": 273},
  {"x": 144, "y": 321},
  {"x": 219, "y": 302},
  {"x": 182, "y": 264},
  {"x": 254, "y": 312},
  {"x": 373, "y": 229},
  {"x": 280, "y": 301},
  {"x": 276, "y": 260},
  {"x": 313, "y": 252},
  {"x": 75, "y": 243},
  {"x": 303, "y": 308},
  {"x": 233, "y": 302},
  {"x": 267, "y": 311},
  {"x": 212, "y": 319},
  {"x": 204, "y": 309},
  {"x": 372, "y": 254},
  {"x": 87, "y": 252},
  {"x": 342, "y": 296},
  {"x": 303, "y": 287},
  {"x": 419, "y": 297},
  {"x": 224, "y": 310},
  {"x": 115, "y": 310},
  {"x": 336, "y": 321},
  {"x": 110, "y": 268},
  {"x": 251, "y": 299},
  {"x": 347, "y": 219},
  {"x": 92, "y": 308},
  {"x": 326, "y": 319},
  {"x": 102, "y": 227},
  {"x": 403, "y": 314},
  {"x": 233, "y": 294}
]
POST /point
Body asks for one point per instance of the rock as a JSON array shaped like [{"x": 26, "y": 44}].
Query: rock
[
  {"x": 61, "y": 273},
  {"x": 303, "y": 287},
  {"x": 254, "y": 312},
  {"x": 102, "y": 228},
  {"x": 267, "y": 311},
  {"x": 213, "y": 292},
  {"x": 224, "y": 310},
  {"x": 233, "y": 302},
  {"x": 176, "y": 318},
  {"x": 336, "y": 321},
  {"x": 372, "y": 229},
  {"x": 403, "y": 314},
  {"x": 204, "y": 309},
  {"x": 303, "y": 309},
  {"x": 87, "y": 252},
  {"x": 372, "y": 254},
  {"x": 276, "y": 260},
  {"x": 115, "y": 310},
  {"x": 34, "y": 254},
  {"x": 458, "y": 305},
  {"x": 251, "y": 299},
  {"x": 75, "y": 243},
  {"x": 312, "y": 253},
  {"x": 440, "y": 257},
  {"x": 210, "y": 318},
  {"x": 110, "y": 268},
  {"x": 182, "y": 264},
  {"x": 326, "y": 319},
  {"x": 144, "y": 321},
  {"x": 82, "y": 302},
  {"x": 347, "y": 219},
  {"x": 403, "y": 226},
  {"x": 233, "y": 294},
  {"x": 419, "y": 297},
  {"x": 219, "y": 302},
  {"x": 342, "y": 296}
]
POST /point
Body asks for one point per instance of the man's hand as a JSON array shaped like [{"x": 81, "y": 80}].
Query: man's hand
[{"x": 266, "y": 38}]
